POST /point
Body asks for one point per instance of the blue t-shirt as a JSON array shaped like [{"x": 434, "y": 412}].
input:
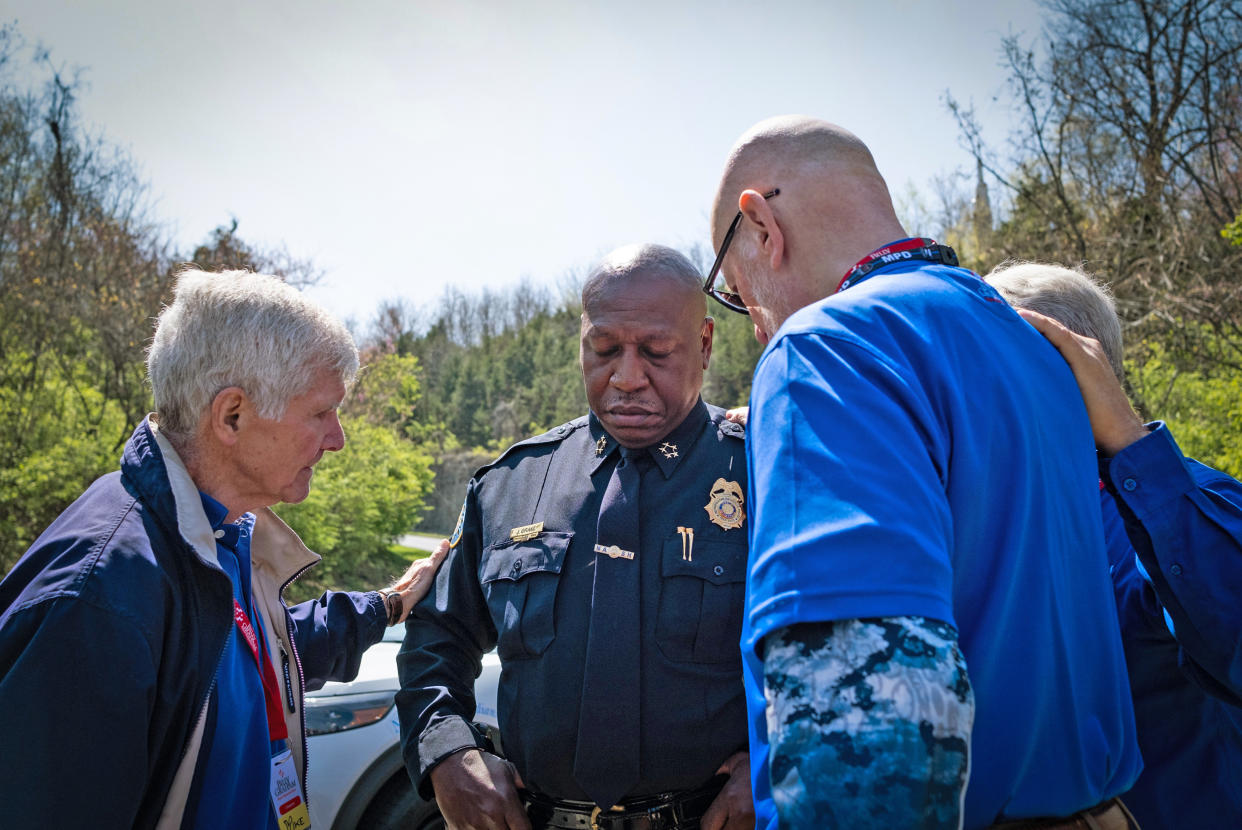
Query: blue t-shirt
[
  {"x": 237, "y": 750},
  {"x": 916, "y": 449}
]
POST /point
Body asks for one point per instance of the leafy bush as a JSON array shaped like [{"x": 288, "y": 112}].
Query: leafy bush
[
  {"x": 361, "y": 499},
  {"x": 1204, "y": 411},
  {"x": 68, "y": 442}
]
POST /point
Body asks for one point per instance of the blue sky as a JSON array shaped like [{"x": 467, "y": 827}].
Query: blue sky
[{"x": 407, "y": 146}]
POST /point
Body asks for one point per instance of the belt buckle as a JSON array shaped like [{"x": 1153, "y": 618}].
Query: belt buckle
[{"x": 596, "y": 811}]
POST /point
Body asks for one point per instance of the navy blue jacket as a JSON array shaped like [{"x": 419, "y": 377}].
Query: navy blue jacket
[{"x": 111, "y": 628}]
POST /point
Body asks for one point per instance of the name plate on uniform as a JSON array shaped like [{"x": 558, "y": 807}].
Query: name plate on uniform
[
  {"x": 526, "y": 532},
  {"x": 614, "y": 552}
]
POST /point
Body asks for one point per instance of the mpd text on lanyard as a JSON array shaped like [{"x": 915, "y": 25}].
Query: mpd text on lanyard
[{"x": 905, "y": 249}]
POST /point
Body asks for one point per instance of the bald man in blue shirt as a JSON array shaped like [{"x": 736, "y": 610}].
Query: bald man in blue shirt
[{"x": 928, "y": 639}]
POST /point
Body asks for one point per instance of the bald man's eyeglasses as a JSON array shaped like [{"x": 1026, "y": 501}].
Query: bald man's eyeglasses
[{"x": 724, "y": 296}]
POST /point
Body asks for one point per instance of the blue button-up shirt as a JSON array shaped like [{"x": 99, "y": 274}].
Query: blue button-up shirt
[
  {"x": 237, "y": 755},
  {"x": 1174, "y": 529}
]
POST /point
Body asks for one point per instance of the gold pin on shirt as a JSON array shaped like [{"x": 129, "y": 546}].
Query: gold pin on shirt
[
  {"x": 687, "y": 543},
  {"x": 668, "y": 450},
  {"x": 526, "y": 532},
  {"x": 600, "y": 445}
]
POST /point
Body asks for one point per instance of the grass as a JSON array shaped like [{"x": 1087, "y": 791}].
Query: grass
[{"x": 408, "y": 554}]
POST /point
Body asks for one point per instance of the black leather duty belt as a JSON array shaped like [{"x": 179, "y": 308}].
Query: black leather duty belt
[{"x": 663, "y": 811}]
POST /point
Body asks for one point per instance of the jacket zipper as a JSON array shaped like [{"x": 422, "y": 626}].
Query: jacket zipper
[
  {"x": 284, "y": 665},
  {"x": 297, "y": 661}
]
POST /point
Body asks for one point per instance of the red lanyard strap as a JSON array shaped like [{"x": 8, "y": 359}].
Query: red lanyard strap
[{"x": 276, "y": 728}]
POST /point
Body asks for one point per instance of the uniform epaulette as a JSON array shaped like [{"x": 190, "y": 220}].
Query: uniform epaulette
[
  {"x": 723, "y": 425},
  {"x": 552, "y": 436},
  {"x": 727, "y": 427}
]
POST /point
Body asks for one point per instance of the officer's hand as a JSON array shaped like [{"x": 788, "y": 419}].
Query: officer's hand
[
  {"x": 734, "y": 807},
  {"x": 416, "y": 581},
  {"x": 478, "y": 791},
  {"x": 738, "y": 415},
  {"x": 1114, "y": 422}
]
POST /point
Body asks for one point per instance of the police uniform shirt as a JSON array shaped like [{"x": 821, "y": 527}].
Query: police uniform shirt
[{"x": 519, "y": 577}]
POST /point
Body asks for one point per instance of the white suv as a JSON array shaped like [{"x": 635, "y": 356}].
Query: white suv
[{"x": 356, "y": 778}]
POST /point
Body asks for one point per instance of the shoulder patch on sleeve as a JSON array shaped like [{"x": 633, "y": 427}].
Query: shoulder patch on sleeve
[{"x": 461, "y": 521}]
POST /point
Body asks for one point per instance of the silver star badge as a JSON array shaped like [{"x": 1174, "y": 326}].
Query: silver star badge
[{"x": 668, "y": 450}]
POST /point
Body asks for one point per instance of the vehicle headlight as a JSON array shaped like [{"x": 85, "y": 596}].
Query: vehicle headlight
[{"x": 336, "y": 713}]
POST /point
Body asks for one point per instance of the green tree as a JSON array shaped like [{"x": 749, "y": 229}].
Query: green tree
[
  {"x": 224, "y": 250},
  {"x": 1203, "y": 409},
  {"x": 735, "y": 351},
  {"x": 375, "y": 489},
  {"x": 82, "y": 270},
  {"x": 361, "y": 500},
  {"x": 71, "y": 443},
  {"x": 1233, "y": 231},
  {"x": 1125, "y": 157}
]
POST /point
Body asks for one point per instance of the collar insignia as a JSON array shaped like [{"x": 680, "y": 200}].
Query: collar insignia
[
  {"x": 668, "y": 450},
  {"x": 600, "y": 445}
]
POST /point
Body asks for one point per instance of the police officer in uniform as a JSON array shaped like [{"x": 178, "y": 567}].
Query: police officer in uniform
[{"x": 605, "y": 561}]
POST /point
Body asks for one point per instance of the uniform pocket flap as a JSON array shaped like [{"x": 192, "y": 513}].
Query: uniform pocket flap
[
  {"x": 716, "y": 562},
  {"x": 513, "y": 560}
]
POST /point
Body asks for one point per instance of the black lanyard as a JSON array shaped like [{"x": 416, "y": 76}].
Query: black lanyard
[{"x": 915, "y": 248}]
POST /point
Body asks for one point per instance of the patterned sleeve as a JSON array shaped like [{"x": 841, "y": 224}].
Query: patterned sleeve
[{"x": 869, "y": 723}]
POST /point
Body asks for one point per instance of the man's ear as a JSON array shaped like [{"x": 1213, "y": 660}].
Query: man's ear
[
  {"x": 709, "y": 326},
  {"x": 228, "y": 409},
  {"x": 757, "y": 210}
]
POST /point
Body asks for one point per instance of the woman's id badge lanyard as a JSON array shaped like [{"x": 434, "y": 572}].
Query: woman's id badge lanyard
[{"x": 287, "y": 800}]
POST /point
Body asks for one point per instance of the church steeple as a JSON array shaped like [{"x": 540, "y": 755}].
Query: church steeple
[{"x": 981, "y": 209}]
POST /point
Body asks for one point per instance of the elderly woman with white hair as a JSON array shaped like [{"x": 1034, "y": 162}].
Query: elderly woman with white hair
[
  {"x": 1174, "y": 533},
  {"x": 150, "y": 672}
]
